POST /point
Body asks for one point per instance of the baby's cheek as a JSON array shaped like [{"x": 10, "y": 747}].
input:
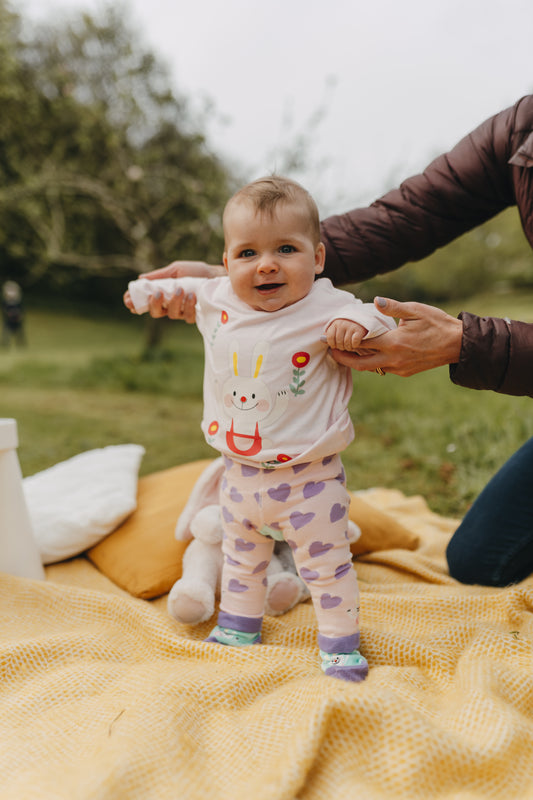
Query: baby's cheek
[{"x": 263, "y": 405}]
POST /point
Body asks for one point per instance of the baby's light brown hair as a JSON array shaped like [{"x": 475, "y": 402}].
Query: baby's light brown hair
[{"x": 265, "y": 194}]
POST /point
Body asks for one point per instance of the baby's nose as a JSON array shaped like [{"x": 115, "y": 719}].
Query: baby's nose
[{"x": 268, "y": 264}]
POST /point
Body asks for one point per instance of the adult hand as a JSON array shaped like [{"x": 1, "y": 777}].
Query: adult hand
[
  {"x": 181, "y": 306},
  {"x": 426, "y": 337}
]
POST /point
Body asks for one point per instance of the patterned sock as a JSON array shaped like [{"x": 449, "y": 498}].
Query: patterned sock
[
  {"x": 346, "y": 666},
  {"x": 231, "y": 637}
]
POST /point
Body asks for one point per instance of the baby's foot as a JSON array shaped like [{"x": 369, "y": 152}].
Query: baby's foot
[
  {"x": 232, "y": 637},
  {"x": 346, "y": 666}
]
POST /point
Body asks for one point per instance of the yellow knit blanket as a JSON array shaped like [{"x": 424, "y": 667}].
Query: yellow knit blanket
[{"x": 104, "y": 696}]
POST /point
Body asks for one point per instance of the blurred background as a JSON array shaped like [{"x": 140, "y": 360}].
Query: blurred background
[
  {"x": 125, "y": 127},
  {"x": 359, "y": 94}
]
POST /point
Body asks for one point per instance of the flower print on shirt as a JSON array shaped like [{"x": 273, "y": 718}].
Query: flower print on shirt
[
  {"x": 224, "y": 317},
  {"x": 299, "y": 361}
]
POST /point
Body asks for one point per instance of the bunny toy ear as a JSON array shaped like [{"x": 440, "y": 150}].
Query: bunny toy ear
[{"x": 204, "y": 493}]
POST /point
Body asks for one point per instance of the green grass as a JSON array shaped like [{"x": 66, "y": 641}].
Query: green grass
[
  {"x": 423, "y": 435},
  {"x": 83, "y": 382}
]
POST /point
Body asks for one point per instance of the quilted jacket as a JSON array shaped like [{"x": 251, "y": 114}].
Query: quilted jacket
[{"x": 487, "y": 171}]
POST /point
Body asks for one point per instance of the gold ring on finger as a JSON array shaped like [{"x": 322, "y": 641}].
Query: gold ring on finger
[{"x": 380, "y": 371}]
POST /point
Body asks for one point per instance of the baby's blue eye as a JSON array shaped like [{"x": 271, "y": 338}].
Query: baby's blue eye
[
  {"x": 246, "y": 253},
  {"x": 286, "y": 248}
]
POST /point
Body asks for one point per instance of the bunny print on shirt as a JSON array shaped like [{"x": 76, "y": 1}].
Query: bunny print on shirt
[{"x": 247, "y": 400}]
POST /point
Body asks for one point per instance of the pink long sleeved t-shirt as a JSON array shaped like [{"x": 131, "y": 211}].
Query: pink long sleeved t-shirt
[{"x": 272, "y": 393}]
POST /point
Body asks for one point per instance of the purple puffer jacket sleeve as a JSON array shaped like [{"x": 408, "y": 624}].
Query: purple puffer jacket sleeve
[
  {"x": 495, "y": 354},
  {"x": 487, "y": 171},
  {"x": 456, "y": 192}
]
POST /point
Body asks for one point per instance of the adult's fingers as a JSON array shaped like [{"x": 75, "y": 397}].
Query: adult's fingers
[
  {"x": 394, "y": 308},
  {"x": 182, "y": 306},
  {"x": 366, "y": 363}
]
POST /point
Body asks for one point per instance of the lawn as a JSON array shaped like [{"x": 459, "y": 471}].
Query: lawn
[{"x": 82, "y": 383}]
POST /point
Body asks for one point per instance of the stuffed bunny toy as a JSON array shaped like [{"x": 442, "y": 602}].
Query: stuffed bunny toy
[{"x": 192, "y": 598}]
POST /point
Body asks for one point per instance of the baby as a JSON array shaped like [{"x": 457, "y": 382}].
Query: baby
[{"x": 276, "y": 407}]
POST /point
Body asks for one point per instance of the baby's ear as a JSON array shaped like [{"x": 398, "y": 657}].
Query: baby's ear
[
  {"x": 225, "y": 260},
  {"x": 320, "y": 258}
]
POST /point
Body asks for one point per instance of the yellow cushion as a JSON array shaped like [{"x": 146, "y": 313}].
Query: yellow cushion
[
  {"x": 143, "y": 557},
  {"x": 379, "y": 529}
]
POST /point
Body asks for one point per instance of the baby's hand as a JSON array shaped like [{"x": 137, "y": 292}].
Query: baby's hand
[
  {"x": 343, "y": 334},
  {"x": 128, "y": 302}
]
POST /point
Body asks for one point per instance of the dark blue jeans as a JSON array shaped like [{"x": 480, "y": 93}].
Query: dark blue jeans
[{"x": 493, "y": 545}]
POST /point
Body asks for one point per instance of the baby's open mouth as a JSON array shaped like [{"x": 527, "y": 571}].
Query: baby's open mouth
[{"x": 265, "y": 288}]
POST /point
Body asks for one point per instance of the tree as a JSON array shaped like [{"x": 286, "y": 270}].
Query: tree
[{"x": 102, "y": 172}]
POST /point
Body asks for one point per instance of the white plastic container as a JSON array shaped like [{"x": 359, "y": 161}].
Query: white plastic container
[{"x": 18, "y": 551}]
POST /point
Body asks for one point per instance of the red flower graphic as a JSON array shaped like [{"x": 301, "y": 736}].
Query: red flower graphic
[
  {"x": 283, "y": 458},
  {"x": 300, "y": 359},
  {"x": 213, "y": 428},
  {"x": 224, "y": 317}
]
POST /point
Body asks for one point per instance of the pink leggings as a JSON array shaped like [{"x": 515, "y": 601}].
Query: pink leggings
[{"x": 307, "y": 506}]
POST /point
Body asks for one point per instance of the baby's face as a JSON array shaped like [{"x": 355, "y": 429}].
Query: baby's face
[{"x": 271, "y": 260}]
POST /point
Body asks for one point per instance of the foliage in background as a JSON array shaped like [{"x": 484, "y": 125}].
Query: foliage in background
[
  {"x": 102, "y": 173},
  {"x": 495, "y": 256}
]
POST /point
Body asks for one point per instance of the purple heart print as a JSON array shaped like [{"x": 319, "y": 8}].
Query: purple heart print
[
  {"x": 313, "y": 488},
  {"x": 329, "y": 601},
  {"x": 235, "y": 586},
  {"x": 298, "y": 520},
  {"x": 317, "y": 549},
  {"x": 337, "y": 512},
  {"x": 243, "y": 545},
  {"x": 280, "y": 493}
]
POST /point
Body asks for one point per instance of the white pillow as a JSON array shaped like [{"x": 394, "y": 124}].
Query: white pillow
[{"x": 76, "y": 503}]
